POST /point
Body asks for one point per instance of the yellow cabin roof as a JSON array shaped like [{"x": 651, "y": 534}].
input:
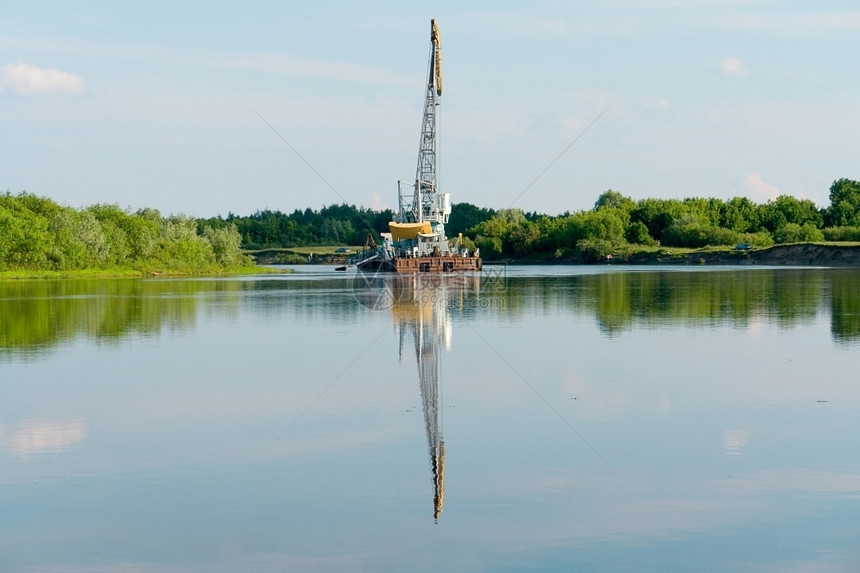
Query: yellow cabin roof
[{"x": 401, "y": 231}]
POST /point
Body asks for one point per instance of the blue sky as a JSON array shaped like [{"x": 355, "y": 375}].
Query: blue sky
[{"x": 159, "y": 104}]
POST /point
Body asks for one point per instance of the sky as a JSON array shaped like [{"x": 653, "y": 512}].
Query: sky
[{"x": 208, "y": 108}]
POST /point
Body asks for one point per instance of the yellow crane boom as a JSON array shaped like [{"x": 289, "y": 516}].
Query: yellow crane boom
[{"x": 437, "y": 49}]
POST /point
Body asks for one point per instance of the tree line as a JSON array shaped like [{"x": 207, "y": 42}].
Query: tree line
[
  {"x": 615, "y": 222},
  {"x": 331, "y": 225},
  {"x": 36, "y": 233}
]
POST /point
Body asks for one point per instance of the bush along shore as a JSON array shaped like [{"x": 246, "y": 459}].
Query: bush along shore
[
  {"x": 662, "y": 228},
  {"x": 39, "y": 237},
  {"x": 617, "y": 225}
]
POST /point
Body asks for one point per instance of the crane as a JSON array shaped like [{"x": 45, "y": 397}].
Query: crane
[
  {"x": 416, "y": 241},
  {"x": 424, "y": 202}
]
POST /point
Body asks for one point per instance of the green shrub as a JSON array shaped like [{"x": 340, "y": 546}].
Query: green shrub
[
  {"x": 842, "y": 234},
  {"x": 593, "y": 250},
  {"x": 226, "y": 243},
  {"x": 290, "y": 259},
  {"x": 690, "y": 232},
  {"x": 760, "y": 239},
  {"x": 794, "y": 233},
  {"x": 491, "y": 247},
  {"x": 637, "y": 234}
]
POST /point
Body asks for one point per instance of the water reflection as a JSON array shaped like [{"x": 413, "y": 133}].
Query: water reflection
[
  {"x": 622, "y": 300},
  {"x": 42, "y": 436},
  {"x": 421, "y": 307},
  {"x": 845, "y": 306},
  {"x": 721, "y": 449},
  {"x": 734, "y": 441},
  {"x": 38, "y": 315},
  {"x": 35, "y": 316}
]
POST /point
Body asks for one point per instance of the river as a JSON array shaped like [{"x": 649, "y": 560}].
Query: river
[{"x": 526, "y": 418}]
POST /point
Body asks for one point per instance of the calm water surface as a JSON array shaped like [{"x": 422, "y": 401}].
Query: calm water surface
[{"x": 531, "y": 418}]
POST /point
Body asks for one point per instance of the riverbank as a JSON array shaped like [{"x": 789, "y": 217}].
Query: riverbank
[
  {"x": 816, "y": 254},
  {"x": 133, "y": 273},
  {"x": 303, "y": 255}
]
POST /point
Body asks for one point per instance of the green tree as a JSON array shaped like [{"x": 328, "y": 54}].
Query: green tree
[
  {"x": 465, "y": 216},
  {"x": 510, "y": 216},
  {"x": 707, "y": 211},
  {"x": 489, "y": 236},
  {"x": 794, "y": 233},
  {"x": 787, "y": 209},
  {"x": 25, "y": 241},
  {"x": 689, "y": 231},
  {"x": 612, "y": 198},
  {"x": 38, "y": 234},
  {"x": 42, "y": 207},
  {"x": 842, "y": 234},
  {"x": 657, "y": 214},
  {"x": 522, "y": 238},
  {"x": 547, "y": 230},
  {"x": 226, "y": 245},
  {"x": 78, "y": 240},
  {"x": 593, "y": 250},
  {"x": 568, "y": 230},
  {"x": 844, "y": 209},
  {"x": 181, "y": 248},
  {"x": 130, "y": 236},
  {"x": 637, "y": 233},
  {"x": 740, "y": 214},
  {"x": 491, "y": 247},
  {"x": 606, "y": 224}
]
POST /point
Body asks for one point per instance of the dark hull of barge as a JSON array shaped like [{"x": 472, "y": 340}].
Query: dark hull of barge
[{"x": 443, "y": 264}]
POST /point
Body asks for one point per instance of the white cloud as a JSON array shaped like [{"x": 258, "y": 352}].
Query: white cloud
[
  {"x": 377, "y": 203},
  {"x": 245, "y": 61},
  {"x": 24, "y": 79},
  {"x": 754, "y": 183},
  {"x": 734, "y": 67}
]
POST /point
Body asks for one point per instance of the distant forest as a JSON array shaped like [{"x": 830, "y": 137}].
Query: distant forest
[
  {"x": 332, "y": 225},
  {"x": 615, "y": 222}
]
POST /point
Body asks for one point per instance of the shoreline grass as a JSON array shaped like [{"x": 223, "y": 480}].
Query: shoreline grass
[{"x": 26, "y": 274}]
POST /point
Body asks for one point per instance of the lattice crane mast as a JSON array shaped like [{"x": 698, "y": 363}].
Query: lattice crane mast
[{"x": 425, "y": 203}]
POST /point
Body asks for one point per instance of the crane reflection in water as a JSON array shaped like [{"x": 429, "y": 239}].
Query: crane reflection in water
[{"x": 421, "y": 309}]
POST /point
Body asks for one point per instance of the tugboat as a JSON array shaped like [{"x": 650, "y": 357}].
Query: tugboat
[{"x": 416, "y": 241}]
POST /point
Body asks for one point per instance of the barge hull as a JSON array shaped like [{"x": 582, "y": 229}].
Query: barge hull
[
  {"x": 437, "y": 264},
  {"x": 451, "y": 264}
]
